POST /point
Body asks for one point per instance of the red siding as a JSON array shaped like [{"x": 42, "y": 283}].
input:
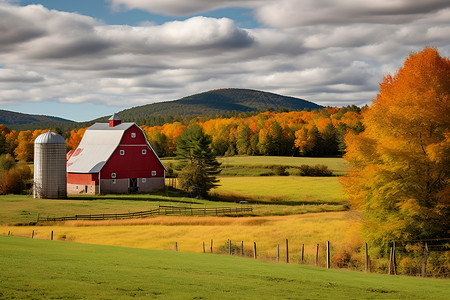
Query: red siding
[
  {"x": 82, "y": 179},
  {"x": 133, "y": 164},
  {"x": 138, "y": 140}
]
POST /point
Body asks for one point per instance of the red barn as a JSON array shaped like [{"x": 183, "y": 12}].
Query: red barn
[{"x": 114, "y": 158}]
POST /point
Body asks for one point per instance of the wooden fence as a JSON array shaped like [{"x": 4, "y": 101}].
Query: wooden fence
[{"x": 161, "y": 210}]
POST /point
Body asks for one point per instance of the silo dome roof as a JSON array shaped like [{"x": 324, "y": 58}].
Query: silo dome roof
[{"x": 49, "y": 137}]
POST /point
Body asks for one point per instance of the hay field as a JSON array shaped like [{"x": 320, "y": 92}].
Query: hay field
[{"x": 190, "y": 232}]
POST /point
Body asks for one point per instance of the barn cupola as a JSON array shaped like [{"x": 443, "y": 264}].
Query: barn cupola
[{"x": 114, "y": 120}]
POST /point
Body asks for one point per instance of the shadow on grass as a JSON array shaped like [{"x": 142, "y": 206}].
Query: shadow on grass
[{"x": 175, "y": 196}]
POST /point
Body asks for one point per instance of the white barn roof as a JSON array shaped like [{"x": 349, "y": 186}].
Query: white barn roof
[{"x": 96, "y": 147}]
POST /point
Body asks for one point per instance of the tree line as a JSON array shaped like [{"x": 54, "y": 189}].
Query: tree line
[{"x": 307, "y": 133}]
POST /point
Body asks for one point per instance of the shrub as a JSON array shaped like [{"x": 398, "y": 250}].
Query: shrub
[
  {"x": 280, "y": 170},
  {"x": 6, "y": 162},
  {"x": 13, "y": 177},
  {"x": 317, "y": 170}
]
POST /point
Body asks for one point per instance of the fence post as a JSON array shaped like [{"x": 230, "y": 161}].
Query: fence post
[
  {"x": 424, "y": 263},
  {"x": 278, "y": 252},
  {"x": 254, "y": 250},
  {"x": 303, "y": 251},
  {"x": 203, "y": 246},
  {"x": 176, "y": 246},
  {"x": 317, "y": 254},
  {"x": 366, "y": 257},
  {"x": 287, "y": 251},
  {"x": 229, "y": 247},
  {"x": 242, "y": 248},
  {"x": 51, "y": 236},
  {"x": 32, "y": 234},
  {"x": 328, "y": 254},
  {"x": 211, "y": 246}
]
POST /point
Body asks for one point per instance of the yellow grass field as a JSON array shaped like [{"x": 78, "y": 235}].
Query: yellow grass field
[{"x": 190, "y": 232}]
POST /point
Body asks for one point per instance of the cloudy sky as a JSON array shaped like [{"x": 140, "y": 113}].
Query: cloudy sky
[{"x": 89, "y": 58}]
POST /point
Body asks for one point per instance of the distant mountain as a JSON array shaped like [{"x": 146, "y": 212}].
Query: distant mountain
[
  {"x": 215, "y": 102},
  {"x": 222, "y": 102},
  {"x": 15, "y": 120}
]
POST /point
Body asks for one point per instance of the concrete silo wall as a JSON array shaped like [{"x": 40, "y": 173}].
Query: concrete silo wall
[{"x": 50, "y": 170}]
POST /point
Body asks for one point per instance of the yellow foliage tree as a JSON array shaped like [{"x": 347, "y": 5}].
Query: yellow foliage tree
[
  {"x": 400, "y": 175},
  {"x": 25, "y": 146}
]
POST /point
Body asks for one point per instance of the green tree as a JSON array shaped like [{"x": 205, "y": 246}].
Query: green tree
[
  {"x": 199, "y": 167},
  {"x": 400, "y": 176}
]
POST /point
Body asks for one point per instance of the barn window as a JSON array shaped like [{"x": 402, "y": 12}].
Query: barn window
[
  {"x": 113, "y": 181},
  {"x": 133, "y": 135},
  {"x": 144, "y": 151},
  {"x": 122, "y": 152},
  {"x": 113, "y": 175},
  {"x": 153, "y": 173},
  {"x": 144, "y": 180}
]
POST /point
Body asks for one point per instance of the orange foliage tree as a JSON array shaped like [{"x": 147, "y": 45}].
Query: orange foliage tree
[
  {"x": 74, "y": 138},
  {"x": 399, "y": 179},
  {"x": 25, "y": 146}
]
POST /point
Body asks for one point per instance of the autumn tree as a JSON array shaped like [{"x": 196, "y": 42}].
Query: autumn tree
[
  {"x": 13, "y": 176},
  {"x": 399, "y": 179},
  {"x": 4, "y": 131},
  {"x": 199, "y": 166},
  {"x": 74, "y": 138},
  {"x": 25, "y": 146}
]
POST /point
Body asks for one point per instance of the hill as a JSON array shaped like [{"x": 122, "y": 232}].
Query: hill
[
  {"x": 16, "y": 120},
  {"x": 222, "y": 102}
]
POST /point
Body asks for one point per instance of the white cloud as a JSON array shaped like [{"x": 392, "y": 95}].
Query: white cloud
[
  {"x": 180, "y": 8},
  {"x": 292, "y": 13},
  {"x": 334, "y": 53}
]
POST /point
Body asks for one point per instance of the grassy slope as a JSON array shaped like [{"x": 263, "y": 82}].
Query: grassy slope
[{"x": 44, "y": 269}]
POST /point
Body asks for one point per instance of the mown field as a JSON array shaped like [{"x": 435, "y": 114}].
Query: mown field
[
  {"x": 295, "y": 190},
  {"x": 268, "y": 195},
  {"x": 263, "y": 165},
  {"x": 38, "y": 269}
]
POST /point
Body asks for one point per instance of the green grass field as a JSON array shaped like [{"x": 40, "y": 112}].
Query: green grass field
[
  {"x": 258, "y": 165},
  {"x": 294, "y": 189},
  {"x": 268, "y": 196},
  {"x": 39, "y": 269}
]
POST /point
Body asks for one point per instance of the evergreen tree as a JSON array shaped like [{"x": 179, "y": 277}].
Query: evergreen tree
[{"x": 199, "y": 165}]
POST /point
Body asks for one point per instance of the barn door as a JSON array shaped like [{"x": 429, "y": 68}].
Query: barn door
[{"x": 133, "y": 187}]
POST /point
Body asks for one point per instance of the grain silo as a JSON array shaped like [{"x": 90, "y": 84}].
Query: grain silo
[{"x": 50, "y": 166}]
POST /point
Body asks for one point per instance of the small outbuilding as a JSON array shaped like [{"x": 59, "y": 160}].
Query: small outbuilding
[{"x": 114, "y": 157}]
